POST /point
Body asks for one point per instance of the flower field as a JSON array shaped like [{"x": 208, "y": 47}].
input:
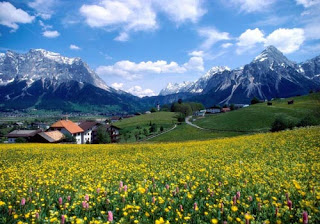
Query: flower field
[{"x": 264, "y": 178}]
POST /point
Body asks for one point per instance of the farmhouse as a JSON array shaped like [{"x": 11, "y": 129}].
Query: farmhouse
[
  {"x": 226, "y": 109},
  {"x": 88, "y": 127},
  {"x": 49, "y": 137},
  {"x": 25, "y": 134},
  {"x": 67, "y": 127},
  {"x": 213, "y": 110}
]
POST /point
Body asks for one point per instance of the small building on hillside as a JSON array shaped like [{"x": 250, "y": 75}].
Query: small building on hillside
[
  {"x": 25, "y": 134},
  {"x": 226, "y": 109},
  {"x": 115, "y": 119},
  {"x": 213, "y": 110},
  {"x": 88, "y": 127},
  {"x": 200, "y": 113},
  {"x": 49, "y": 137},
  {"x": 39, "y": 125},
  {"x": 68, "y": 127}
]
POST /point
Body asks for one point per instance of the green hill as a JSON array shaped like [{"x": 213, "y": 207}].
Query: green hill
[
  {"x": 256, "y": 118},
  {"x": 259, "y": 117}
]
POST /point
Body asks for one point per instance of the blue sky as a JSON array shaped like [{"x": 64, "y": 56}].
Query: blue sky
[{"x": 141, "y": 45}]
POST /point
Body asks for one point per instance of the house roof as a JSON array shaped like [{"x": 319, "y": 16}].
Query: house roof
[
  {"x": 68, "y": 125},
  {"x": 87, "y": 125},
  {"x": 106, "y": 126},
  {"x": 52, "y": 136},
  {"x": 23, "y": 133}
]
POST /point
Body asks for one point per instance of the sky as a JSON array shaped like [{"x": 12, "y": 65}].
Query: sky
[{"x": 139, "y": 46}]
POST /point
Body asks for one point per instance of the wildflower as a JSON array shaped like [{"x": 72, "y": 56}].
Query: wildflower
[
  {"x": 110, "y": 216},
  {"x": 86, "y": 197},
  {"x": 37, "y": 215},
  {"x": 305, "y": 217},
  {"x": 153, "y": 200},
  {"x": 181, "y": 208},
  {"x": 121, "y": 184},
  {"x": 234, "y": 208},
  {"x": 63, "y": 219},
  {"x": 235, "y": 200},
  {"x": 277, "y": 210},
  {"x": 195, "y": 206},
  {"x": 98, "y": 190},
  {"x": 60, "y": 201},
  {"x": 214, "y": 221},
  {"x": 167, "y": 186},
  {"x": 69, "y": 198},
  {"x": 23, "y": 201},
  {"x": 238, "y": 194},
  {"x": 289, "y": 202},
  {"x": 125, "y": 188}
]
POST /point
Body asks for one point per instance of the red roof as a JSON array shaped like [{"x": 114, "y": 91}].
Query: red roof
[{"x": 68, "y": 125}]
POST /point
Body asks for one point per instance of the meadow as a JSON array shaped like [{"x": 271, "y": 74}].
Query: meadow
[
  {"x": 262, "y": 178},
  {"x": 259, "y": 117}
]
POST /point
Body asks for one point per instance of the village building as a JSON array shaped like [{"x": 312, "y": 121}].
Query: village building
[
  {"x": 200, "y": 113},
  {"x": 38, "y": 125},
  {"x": 225, "y": 109},
  {"x": 88, "y": 127},
  {"x": 49, "y": 137},
  {"x": 68, "y": 127},
  {"x": 213, "y": 110},
  {"x": 114, "y": 132},
  {"x": 25, "y": 134}
]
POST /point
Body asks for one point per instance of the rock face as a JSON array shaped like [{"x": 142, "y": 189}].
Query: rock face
[
  {"x": 41, "y": 64},
  {"x": 45, "y": 80},
  {"x": 268, "y": 76}
]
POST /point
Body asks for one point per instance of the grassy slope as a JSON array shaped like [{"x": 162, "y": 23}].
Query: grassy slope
[
  {"x": 185, "y": 132},
  {"x": 259, "y": 117},
  {"x": 167, "y": 119}
]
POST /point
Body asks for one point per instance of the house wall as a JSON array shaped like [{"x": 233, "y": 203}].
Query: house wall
[
  {"x": 11, "y": 140},
  {"x": 87, "y": 136},
  {"x": 78, "y": 136}
]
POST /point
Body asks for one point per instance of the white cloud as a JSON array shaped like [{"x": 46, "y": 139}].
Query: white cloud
[
  {"x": 308, "y": 3},
  {"x": 226, "y": 45},
  {"x": 44, "y": 26},
  {"x": 249, "y": 39},
  {"x": 74, "y": 47},
  {"x": 123, "y": 36},
  {"x": 211, "y": 36},
  {"x": 196, "y": 53},
  {"x": 180, "y": 11},
  {"x": 124, "y": 14},
  {"x": 43, "y": 7},
  {"x": 250, "y": 6},
  {"x": 138, "y": 91},
  {"x": 139, "y": 15},
  {"x": 51, "y": 33},
  {"x": 10, "y": 16},
  {"x": 117, "y": 86},
  {"x": 194, "y": 64},
  {"x": 131, "y": 70},
  {"x": 286, "y": 40}
]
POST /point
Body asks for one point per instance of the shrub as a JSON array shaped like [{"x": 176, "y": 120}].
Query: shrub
[
  {"x": 282, "y": 123},
  {"x": 255, "y": 100},
  {"x": 21, "y": 140},
  {"x": 308, "y": 120}
]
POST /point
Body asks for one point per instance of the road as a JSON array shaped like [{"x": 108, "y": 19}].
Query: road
[
  {"x": 193, "y": 125},
  {"x": 171, "y": 129}
]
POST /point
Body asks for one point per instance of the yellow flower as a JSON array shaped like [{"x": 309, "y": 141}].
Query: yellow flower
[
  {"x": 214, "y": 221},
  {"x": 234, "y": 208}
]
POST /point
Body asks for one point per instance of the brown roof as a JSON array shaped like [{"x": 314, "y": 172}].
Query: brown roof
[
  {"x": 52, "y": 136},
  {"x": 225, "y": 109},
  {"x": 23, "y": 133},
  {"x": 69, "y": 125},
  {"x": 87, "y": 125}
]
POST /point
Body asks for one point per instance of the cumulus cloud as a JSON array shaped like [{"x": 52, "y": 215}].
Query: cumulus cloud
[
  {"x": 211, "y": 37},
  {"x": 250, "y": 6},
  {"x": 138, "y": 91},
  {"x": 138, "y": 15},
  {"x": 180, "y": 11},
  {"x": 117, "y": 85},
  {"x": 74, "y": 47},
  {"x": 196, "y": 53},
  {"x": 44, "y": 8},
  {"x": 51, "y": 33},
  {"x": 131, "y": 70},
  {"x": 10, "y": 16},
  {"x": 249, "y": 39},
  {"x": 286, "y": 40},
  {"x": 226, "y": 45},
  {"x": 308, "y": 3}
]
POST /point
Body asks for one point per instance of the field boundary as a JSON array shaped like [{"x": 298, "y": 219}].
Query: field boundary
[{"x": 153, "y": 136}]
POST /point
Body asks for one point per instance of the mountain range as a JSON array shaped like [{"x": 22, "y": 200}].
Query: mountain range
[
  {"x": 45, "y": 80},
  {"x": 269, "y": 75}
]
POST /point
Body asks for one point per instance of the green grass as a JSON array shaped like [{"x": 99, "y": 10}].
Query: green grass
[
  {"x": 259, "y": 117},
  {"x": 160, "y": 118},
  {"x": 185, "y": 132}
]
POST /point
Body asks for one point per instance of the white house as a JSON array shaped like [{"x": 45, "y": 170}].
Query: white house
[
  {"x": 88, "y": 127},
  {"x": 213, "y": 110},
  {"x": 67, "y": 127}
]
